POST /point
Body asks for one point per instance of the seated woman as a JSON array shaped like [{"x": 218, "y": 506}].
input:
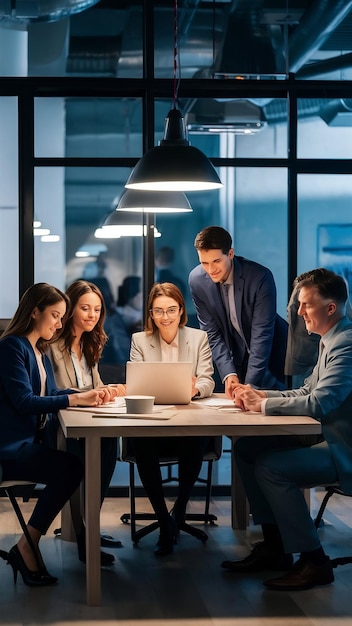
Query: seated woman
[
  {"x": 166, "y": 338},
  {"x": 74, "y": 358},
  {"x": 27, "y": 395}
]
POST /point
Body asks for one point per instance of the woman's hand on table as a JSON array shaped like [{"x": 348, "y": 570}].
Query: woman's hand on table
[
  {"x": 93, "y": 397},
  {"x": 117, "y": 390},
  {"x": 195, "y": 391}
]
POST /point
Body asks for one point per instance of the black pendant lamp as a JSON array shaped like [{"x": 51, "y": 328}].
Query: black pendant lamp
[{"x": 174, "y": 165}]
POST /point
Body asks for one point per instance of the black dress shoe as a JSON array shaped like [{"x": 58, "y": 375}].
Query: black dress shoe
[
  {"x": 303, "y": 575},
  {"x": 106, "y": 541},
  {"x": 259, "y": 559},
  {"x": 105, "y": 558}
]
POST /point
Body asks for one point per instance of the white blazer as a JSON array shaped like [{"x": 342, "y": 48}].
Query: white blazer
[{"x": 193, "y": 346}]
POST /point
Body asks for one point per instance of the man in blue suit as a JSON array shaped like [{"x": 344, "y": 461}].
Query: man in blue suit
[
  {"x": 235, "y": 301},
  {"x": 274, "y": 470}
]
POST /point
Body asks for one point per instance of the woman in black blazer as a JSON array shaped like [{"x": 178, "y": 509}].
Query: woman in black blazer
[{"x": 27, "y": 395}]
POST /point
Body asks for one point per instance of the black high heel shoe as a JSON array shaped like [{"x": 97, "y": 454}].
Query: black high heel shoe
[
  {"x": 39, "y": 578},
  {"x": 167, "y": 538}
]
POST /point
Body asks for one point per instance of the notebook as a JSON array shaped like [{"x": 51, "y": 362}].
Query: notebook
[{"x": 169, "y": 382}]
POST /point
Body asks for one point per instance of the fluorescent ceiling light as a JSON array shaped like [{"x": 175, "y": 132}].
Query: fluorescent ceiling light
[
  {"x": 246, "y": 128},
  {"x": 40, "y": 232},
  {"x": 50, "y": 238}
]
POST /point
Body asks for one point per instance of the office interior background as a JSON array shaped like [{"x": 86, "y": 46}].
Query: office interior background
[{"x": 265, "y": 90}]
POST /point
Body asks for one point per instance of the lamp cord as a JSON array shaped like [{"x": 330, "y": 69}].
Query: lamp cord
[
  {"x": 176, "y": 78},
  {"x": 213, "y": 68}
]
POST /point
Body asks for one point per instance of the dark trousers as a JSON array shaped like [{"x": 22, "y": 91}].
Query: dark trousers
[
  {"x": 188, "y": 450},
  {"x": 60, "y": 472},
  {"x": 274, "y": 470}
]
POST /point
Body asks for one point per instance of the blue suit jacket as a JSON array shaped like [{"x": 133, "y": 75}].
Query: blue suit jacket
[
  {"x": 20, "y": 402},
  {"x": 258, "y": 355}
]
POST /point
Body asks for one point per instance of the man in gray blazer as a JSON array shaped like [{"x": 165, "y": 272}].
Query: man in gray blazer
[
  {"x": 274, "y": 470},
  {"x": 235, "y": 301}
]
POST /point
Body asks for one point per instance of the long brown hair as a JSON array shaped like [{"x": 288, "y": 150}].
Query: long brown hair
[
  {"x": 171, "y": 291},
  {"x": 94, "y": 341},
  {"x": 40, "y": 296}
]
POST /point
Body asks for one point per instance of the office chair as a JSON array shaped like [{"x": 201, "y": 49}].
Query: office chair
[
  {"x": 13, "y": 488},
  {"x": 212, "y": 453},
  {"x": 330, "y": 491}
]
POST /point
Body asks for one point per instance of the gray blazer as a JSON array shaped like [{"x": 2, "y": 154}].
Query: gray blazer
[
  {"x": 193, "y": 346},
  {"x": 327, "y": 396},
  {"x": 64, "y": 372}
]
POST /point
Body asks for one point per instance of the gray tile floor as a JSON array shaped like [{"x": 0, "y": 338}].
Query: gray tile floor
[{"x": 187, "y": 587}]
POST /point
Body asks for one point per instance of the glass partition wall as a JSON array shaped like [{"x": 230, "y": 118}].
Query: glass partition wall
[{"x": 70, "y": 139}]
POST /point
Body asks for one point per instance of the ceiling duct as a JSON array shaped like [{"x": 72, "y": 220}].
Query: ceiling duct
[
  {"x": 236, "y": 116},
  {"x": 250, "y": 48},
  {"x": 337, "y": 112},
  {"x": 317, "y": 24},
  {"x": 25, "y": 11}
]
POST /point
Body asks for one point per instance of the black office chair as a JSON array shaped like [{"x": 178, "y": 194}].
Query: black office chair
[
  {"x": 13, "y": 489},
  {"x": 212, "y": 453},
  {"x": 330, "y": 491}
]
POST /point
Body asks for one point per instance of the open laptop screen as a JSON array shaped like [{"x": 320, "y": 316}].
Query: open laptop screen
[{"x": 169, "y": 382}]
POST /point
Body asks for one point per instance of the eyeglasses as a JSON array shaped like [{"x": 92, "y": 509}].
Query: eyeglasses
[{"x": 172, "y": 311}]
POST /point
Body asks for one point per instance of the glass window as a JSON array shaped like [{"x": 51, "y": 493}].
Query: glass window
[
  {"x": 9, "y": 206},
  {"x": 88, "y": 127},
  {"x": 324, "y": 223},
  {"x": 72, "y": 203},
  {"x": 324, "y": 128},
  {"x": 252, "y": 206}
]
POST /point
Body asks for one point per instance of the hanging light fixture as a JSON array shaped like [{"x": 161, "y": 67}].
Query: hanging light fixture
[
  {"x": 174, "y": 165},
  {"x": 154, "y": 202},
  {"x": 120, "y": 224}
]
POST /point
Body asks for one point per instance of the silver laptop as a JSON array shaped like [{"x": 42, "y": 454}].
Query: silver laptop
[{"x": 169, "y": 382}]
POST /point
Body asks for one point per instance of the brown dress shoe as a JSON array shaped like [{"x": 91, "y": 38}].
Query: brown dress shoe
[
  {"x": 303, "y": 575},
  {"x": 259, "y": 559}
]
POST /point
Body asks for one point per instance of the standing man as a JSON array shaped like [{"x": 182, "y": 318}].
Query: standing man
[
  {"x": 235, "y": 301},
  {"x": 274, "y": 470}
]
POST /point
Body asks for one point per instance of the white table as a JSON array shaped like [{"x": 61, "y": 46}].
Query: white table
[{"x": 193, "y": 419}]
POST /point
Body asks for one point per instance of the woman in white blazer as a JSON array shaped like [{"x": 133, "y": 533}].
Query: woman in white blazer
[
  {"x": 167, "y": 338},
  {"x": 74, "y": 358}
]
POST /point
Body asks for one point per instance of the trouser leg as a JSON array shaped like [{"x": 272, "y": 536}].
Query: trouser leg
[
  {"x": 190, "y": 459},
  {"x": 281, "y": 476},
  {"x": 59, "y": 471},
  {"x": 247, "y": 450},
  {"x": 147, "y": 458}
]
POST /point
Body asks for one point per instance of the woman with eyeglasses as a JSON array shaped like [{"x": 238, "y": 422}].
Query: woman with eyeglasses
[{"x": 167, "y": 338}]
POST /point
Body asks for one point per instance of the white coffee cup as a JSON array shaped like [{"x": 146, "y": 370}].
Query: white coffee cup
[{"x": 139, "y": 404}]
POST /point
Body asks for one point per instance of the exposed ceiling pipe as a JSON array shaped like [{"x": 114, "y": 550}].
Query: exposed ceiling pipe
[
  {"x": 328, "y": 65},
  {"x": 315, "y": 27},
  {"x": 19, "y": 12}
]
